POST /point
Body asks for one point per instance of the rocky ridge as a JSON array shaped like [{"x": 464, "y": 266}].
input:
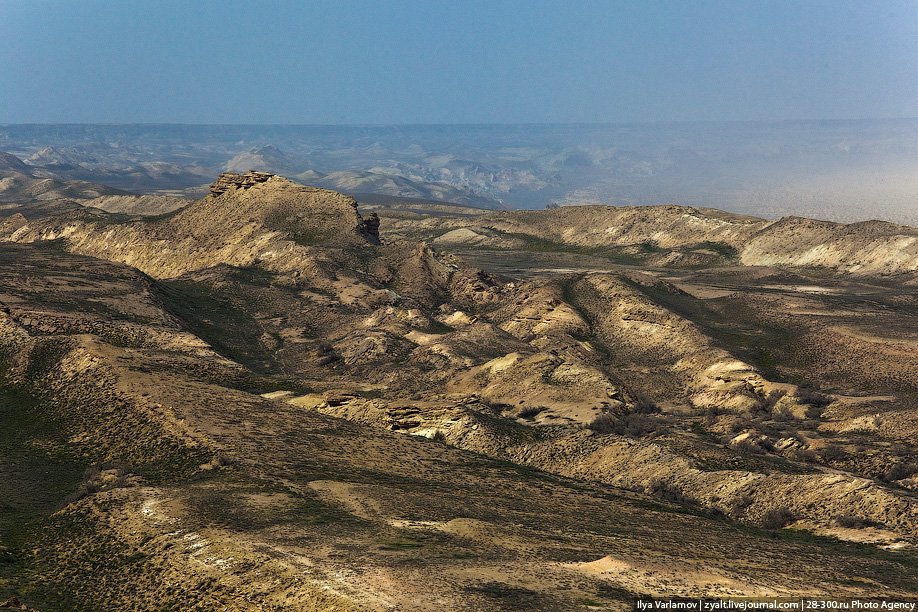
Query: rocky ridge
[
  {"x": 248, "y": 218},
  {"x": 681, "y": 236}
]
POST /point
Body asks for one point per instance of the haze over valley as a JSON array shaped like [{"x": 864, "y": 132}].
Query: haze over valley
[
  {"x": 490, "y": 306},
  {"x": 833, "y": 170}
]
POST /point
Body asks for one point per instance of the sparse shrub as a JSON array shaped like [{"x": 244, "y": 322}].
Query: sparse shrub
[
  {"x": 710, "y": 415},
  {"x": 218, "y": 461},
  {"x": 748, "y": 447},
  {"x": 850, "y": 521},
  {"x": 96, "y": 479},
  {"x": 776, "y": 518},
  {"x": 667, "y": 491},
  {"x": 507, "y": 597},
  {"x": 782, "y": 413},
  {"x": 767, "y": 403},
  {"x": 738, "y": 506},
  {"x": 604, "y": 423},
  {"x": 636, "y": 425},
  {"x": 89, "y": 486},
  {"x": 833, "y": 452},
  {"x": 6, "y": 555},
  {"x": 631, "y": 424},
  {"x": 816, "y": 401},
  {"x": 814, "y": 412},
  {"x": 901, "y": 471},
  {"x": 45, "y": 356},
  {"x": 803, "y": 455},
  {"x": 644, "y": 405},
  {"x": 531, "y": 412},
  {"x": 736, "y": 426},
  {"x": 299, "y": 229}
]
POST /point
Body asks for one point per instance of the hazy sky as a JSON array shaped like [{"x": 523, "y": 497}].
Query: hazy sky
[{"x": 458, "y": 61}]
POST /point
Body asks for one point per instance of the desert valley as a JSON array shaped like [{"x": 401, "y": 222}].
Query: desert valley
[
  {"x": 489, "y": 305},
  {"x": 275, "y": 396}
]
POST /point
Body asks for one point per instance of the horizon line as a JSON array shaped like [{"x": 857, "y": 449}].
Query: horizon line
[{"x": 459, "y": 124}]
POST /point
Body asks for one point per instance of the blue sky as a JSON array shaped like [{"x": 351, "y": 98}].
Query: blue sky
[{"x": 496, "y": 61}]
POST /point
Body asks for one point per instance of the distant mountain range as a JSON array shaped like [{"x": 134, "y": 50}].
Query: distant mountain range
[
  {"x": 382, "y": 181},
  {"x": 839, "y": 170}
]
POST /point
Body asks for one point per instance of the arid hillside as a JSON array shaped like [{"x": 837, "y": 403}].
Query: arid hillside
[
  {"x": 275, "y": 398},
  {"x": 680, "y": 236}
]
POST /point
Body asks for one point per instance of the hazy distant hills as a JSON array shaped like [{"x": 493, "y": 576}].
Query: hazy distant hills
[
  {"x": 56, "y": 159},
  {"x": 123, "y": 170},
  {"x": 21, "y": 182},
  {"x": 840, "y": 170},
  {"x": 268, "y": 159},
  {"x": 11, "y": 163},
  {"x": 382, "y": 183},
  {"x": 40, "y": 190}
]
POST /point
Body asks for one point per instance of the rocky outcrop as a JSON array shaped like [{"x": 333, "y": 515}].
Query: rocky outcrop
[
  {"x": 229, "y": 181},
  {"x": 12, "y": 223},
  {"x": 371, "y": 227}
]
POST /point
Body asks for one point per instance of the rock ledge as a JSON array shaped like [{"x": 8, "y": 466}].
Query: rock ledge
[{"x": 231, "y": 180}]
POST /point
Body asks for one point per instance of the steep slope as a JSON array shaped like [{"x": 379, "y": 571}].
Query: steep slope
[{"x": 199, "y": 494}]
